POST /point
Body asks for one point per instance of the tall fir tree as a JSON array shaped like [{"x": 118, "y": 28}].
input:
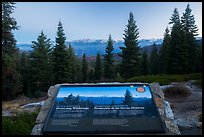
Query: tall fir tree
[
  {"x": 108, "y": 60},
  {"x": 84, "y": 68},
  {"x": 164, "y": 52},
  {"x": 177, "y": 51},
  {"x": 11, "y": 77},
  {"x": 154, "y": 67},
  {"x": 191, "y": 30},
  {"x": 98, "y": 67},
  {"x": 24, "y": 70},
  {"x": 78, "y": 71},
  {"x": 131, "y": 59},
  {"x": 40, "y": 66},
  {"x": 128, "y": 99},
  {"x": 144, "y": 63},
  {"x": 60, "y": 59},
  {"x": 91, "y": 75},
  {"x": 71, "y": 64},
  {"x": 198, "y": 61}
]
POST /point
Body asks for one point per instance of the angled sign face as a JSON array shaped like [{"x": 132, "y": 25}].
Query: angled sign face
[{"x": 125, "y": 108}]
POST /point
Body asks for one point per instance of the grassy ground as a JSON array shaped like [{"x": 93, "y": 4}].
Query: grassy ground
[
  {"x": 18, "y": 125},
  {"x": 167, "y": 79}
]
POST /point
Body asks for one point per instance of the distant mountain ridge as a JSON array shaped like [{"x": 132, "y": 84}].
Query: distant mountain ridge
[{"x": 92, "y": 47}]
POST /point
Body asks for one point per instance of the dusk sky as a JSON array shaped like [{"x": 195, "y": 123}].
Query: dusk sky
[
  {"x": 96, "y": 20},
  {"x": 102, "y": 91}
]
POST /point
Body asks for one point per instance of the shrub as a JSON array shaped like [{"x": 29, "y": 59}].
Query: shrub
[
  {"x": 18, "y": 125},
  {"x": 176, "y": 91},
  {"x": 165, "y": 79}
]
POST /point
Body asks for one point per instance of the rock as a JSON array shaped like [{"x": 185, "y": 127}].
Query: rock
[
  {"x": 165, "y": 86},
  {"x": 44, "y": 111},
  {"x": 155, "y": 88},
  {"x": 172, "y": 127},
  {"x": 161, "y": 111},
  {"x": 51, "y": 91},
  {"x": 33, "y": 104},
  {"x": 159, "y": 102},
  {"x": 168, "y": 111},
  {"x": 37, "y": 129},
  {"x": 188, "y": 122},
  {"x": 164, "y": 109}
]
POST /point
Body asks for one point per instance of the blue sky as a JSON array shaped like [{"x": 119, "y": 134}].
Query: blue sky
[
  {"x": 102, "y": 91},
  {"x": 96, "y": 20}
]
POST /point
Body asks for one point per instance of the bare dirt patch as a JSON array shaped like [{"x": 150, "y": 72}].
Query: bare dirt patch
[
  {"x": 187, "y": 109},
  {"x": 14, "y": 107}
]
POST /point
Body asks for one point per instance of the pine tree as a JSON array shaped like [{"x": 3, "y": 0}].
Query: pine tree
[
  {"x": 78, "y": 71},
  {"x": 198, "y": 60},
  {"x": 11, "y": 77},
  {"x": 128, "y": 100},
  {"x": 177, "y": 51},
  {"x": 84, "y": 68},
  {"x": 131, "y": 60},
  {"x": 98, "y": 67},
  {"x": 91, "y": 74},
  {"x": 60, "y": 59},
  {"x": 24, "y": 70},
  {"x": 40, "y": 65},
  {"x": 191, "y": 30},
  {"x": 188, "y": 22},
  {"x": 71, "y": 64},
  {"x": 154, "y": 61},
  {"x": 108, "y": 59},
  {"x": 144, "y": 63},
  {"x": 164, "y": 52}
]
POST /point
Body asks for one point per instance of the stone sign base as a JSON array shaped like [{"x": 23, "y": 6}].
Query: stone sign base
[{"x": 163, "y": 107}]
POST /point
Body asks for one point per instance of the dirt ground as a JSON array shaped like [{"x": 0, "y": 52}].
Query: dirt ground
[
  {"x": 14, "y": 107},
  {"x": 187, "y": 110}
]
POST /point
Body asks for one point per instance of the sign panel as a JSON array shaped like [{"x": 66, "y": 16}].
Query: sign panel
[{"x": 104, "y": 109}]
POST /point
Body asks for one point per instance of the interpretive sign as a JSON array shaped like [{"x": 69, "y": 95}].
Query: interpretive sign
[{"x": 121, "y": 108}]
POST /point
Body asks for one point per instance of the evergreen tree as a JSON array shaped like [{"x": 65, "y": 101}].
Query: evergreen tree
[
  {"x": 177, "y": 51},
  {"x": 40, "y": 66},
  {"x": 198, "y": 60},
  {"x": 24, "y": 70},
  {"x": 91, "y": 74},
  {"x": 108, "y": 59},
  {"x": 11, "y": 77},
  {"x": 188, "y": 22},
  {"x": 164, "y": 52},
  {"x": 131, "y": 60},
  {"x": 60, "y": 60},
  {"x": 128, "y": 100},
  {"x": 71, "y": 64},
  {"x": 191, "y": 30},
  {"x": 84, "y": 68},
  {"x": 98, "y": 67},
  {"x": 78, "y": 71},
  {"x": 118, "y": 77},
  {"x": 144, "y": 63},
  {"x": 154, "y": 61}
]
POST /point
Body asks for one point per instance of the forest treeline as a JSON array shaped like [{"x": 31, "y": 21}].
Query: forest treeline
[{"x": 33, "y": 73}]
